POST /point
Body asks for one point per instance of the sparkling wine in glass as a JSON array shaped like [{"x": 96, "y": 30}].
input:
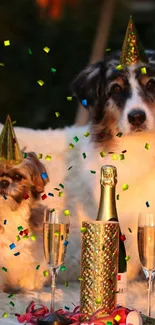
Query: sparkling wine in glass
[
  {"x": 55, "y": 240},
  {"x": 146, "y": 247}
]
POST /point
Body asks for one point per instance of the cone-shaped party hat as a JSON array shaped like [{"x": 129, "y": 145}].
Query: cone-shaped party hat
[
  {"x": 132, "y": 50},
  {"x": 9, "y": 148}
]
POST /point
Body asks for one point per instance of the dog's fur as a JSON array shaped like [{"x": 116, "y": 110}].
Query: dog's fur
[
  {"x": 111, "y": 95},
  {"x": 20, "y": 189}
]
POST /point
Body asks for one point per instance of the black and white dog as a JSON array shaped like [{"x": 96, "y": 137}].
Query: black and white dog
[{"x": 122, "y": 121}]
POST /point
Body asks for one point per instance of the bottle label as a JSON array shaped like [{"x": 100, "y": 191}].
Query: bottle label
[{"x": 122, "y": 289}]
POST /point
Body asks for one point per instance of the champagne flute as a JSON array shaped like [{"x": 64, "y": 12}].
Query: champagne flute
[
  {"x": 146, "y": 247},
  {"x": 55, "y": 240}
]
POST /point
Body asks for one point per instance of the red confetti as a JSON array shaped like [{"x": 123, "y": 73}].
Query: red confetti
[
  {"x": 44, "y": 196},
  {"x": 26, "y": 231},
  {"x": 123, "y": 238},
  {"x": 25, "y": 196}
]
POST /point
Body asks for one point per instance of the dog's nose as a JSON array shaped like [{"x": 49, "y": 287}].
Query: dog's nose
[
  {"x": 4, "y": 183},
  {"x": 136, "y": 117}
]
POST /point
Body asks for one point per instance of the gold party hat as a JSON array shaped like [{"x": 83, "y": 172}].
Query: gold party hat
[
  {"x": 9, "y": 148},
  {"x": 132, "y": 49}
]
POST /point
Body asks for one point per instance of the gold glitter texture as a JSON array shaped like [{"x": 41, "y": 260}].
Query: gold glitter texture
[
  {"x": 132, "y": 50},
  {"x": 99, "y": 266}
]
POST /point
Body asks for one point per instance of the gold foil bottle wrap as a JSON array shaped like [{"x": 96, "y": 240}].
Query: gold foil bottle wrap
[{"x": 99, "y": 266}]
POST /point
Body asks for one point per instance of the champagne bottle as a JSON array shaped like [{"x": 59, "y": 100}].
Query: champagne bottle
[{"x": 107, "y": 211}]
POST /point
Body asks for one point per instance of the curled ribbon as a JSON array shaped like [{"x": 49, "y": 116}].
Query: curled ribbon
[{"x": 32, "y": 314}]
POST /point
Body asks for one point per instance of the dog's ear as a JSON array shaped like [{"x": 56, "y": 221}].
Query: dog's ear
[
  {"x": 87, "y": 86},
  {"x": 40, "y": 177}
]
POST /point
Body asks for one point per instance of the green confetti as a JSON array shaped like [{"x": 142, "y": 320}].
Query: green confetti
[
  {"x": 108, "y": 49},
  {"x": 119, "y": 134},
  {"x": 76, "y": 139},
  {"x": 18, "y": 238},
  {"x": 147, "y": 146},
  {"x": 20, "y": 228},
  {"x": 25, "y": 237},
  {"x": 103, "y": 247},
  {"x": 12, "y": 303},
  {"x": 30, "y": 52},
  {"x": 63, "y": 268},
  {"x": 84, "y": 155},
  {"x": 1, "y": 64},
  {"x": 61, "y": 185},
  {"x": 11, "y": 295},
  {"x": 45, "y": 273},
  {"x": 37, "y": 267},
  {"x": 4, "y": 269},
  {"x": 57, "y": 114},
  {"x": 102, "y": 154},
  {"x": 83, "y": 229},
  {"x": 129, "y": 229},
  {"x": 24, "y": 154},
  {"x": 117, "y": 197},
  {"x": 125, "y": 187},
  {"x": 66, "y": 283},
  {"x": 86, "y": 134},
  {"x": 71, "y": 145},
  {"x": 66, "y": 212},
  {"x": 40, "y": 156},
  {"x": 14, "y": 122},
  {"x": 93, "y": 171},
  {"x": 53, "y": 70},
  {"x": 121, "y": 156},
  {"x": 98, "y": 300},
  {"x": 5, "y": 315}
]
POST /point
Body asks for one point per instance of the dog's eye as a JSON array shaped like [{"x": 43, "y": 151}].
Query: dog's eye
[
  {"x": 151, "y": 85},
  {"x": 17, "y": 177},
  {"x": 117, "y": 89}
]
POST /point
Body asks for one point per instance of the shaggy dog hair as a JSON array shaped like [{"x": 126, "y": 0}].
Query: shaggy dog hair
[
  {"x": 20, "y": 215},
  {"x": 121, "y": 104}
]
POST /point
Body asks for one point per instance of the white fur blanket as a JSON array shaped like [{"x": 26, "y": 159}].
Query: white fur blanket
[{"x": 69, "y": 296}]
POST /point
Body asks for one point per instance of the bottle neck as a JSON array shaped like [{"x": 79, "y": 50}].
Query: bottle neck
[{"x": 107, "y": 208}]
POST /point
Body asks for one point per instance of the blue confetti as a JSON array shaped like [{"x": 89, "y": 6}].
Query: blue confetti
[
  {"x": 50, "y": 194},
  {"x": 12, "y": 246},
  {"x": 147, "y": 204},
  {"x": 5, "y": 197},
  {"x": 68, "y": 308},
  {"x": 16, "y": 254},
  {"x": 5, "y": 222},
  {"x": 84, "y": 102},
  {"x": 66, "y": 243},
  {"x": 44, "y": 175}
]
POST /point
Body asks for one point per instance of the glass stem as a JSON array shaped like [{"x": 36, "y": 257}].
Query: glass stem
[
  {"x": 149, "y": 294},
  {"x": 53, "y": 274}
]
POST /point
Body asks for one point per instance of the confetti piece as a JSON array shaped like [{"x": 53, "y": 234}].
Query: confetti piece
[
  {"x": 103, "y": 248},
  {"x": 93, "y": 171},
  {"x": 11, "y": 295},
  {"x": 109, "y": 323},
  {"x": 5, "y": 222},
  {"x": 68, "y": 308},
  {"x": 66, "y": 284},
  {"x": 123, "y": 238},
  {"x": 5, "y": 315},
  {"x": 80, "y": 278},
  {"x": 44, "y": 175},
  {"x": 57, "y": 189},
  {"x": 61, "y": 185},
  {"x": 37, "y": 267},
  {"x": 102, "y": 154},
  {"x": 45, "y": 273},
  {"x": 125, "y": 187},
  {"x": 17, "y": 254},
  {"x": 12, "y": 303},
  {"x": 4, "y": 269},
  {"x": 129, "y": 229},
  {"x": 44, "y": 196},
  {"x": 14, "y": 122},
  {"x": 86, "y": 134},
  {"x": 69, "y": 98},
  {"x": 40, "y": 156},
  {"x": 121, "y": 156},
  {"x": 50, "y": 194},
  {"x": 124, "y": 151},
  {"x": 143, "y": 70},
  {"x": 33, "y": 237},
  {"x": 84, "y": 155},
  {"x": 21, "y": 233},
  {"x": 1, "y": 64},
  {"x": 18, "y": 238},
  {"x": 119, "y": 277},
  {"x": 7, "y": 43},
  {"x": 63, "y": 268},
  {"x": 24, "y": 154},
  {"x": 52, "y": 210},
  {"x": 20, "y": 228},
  {"x": 119, "y": 67},
  {"x": 40, "y": 82},
  {"x": 117, "y": 318},
  {"x": 71, "y": 146},
  {"x": 12, "y": 246},
  {"x": 46, "y": 49},
  {"x": 57, "y": 233},
  {"x": 53, "y": 70},
  {"x": 61, "y": 194},
  {"x": 114, "y": 157},
  {"x": 48, "y": 158},
  {"x": 84, "y": 102},
  {"x": 147, "y": 146},
  {"x": 57, "y": 114},
  {"x": 66, "y": 242},
  {"x": 5, "y": 197},
  {"x": 25, "y": 196},
  {"x": 70, "y": 167},
  {"x": 83, "y": 229},
  {"x": 119, "y": 134},
  {"x": 127, "y": 258},
  {"x": 147, "y": 204},
  {"x": 108, "y": 49},
  {"x": 66, "y": 212},
  {"x": 76, "y": 139},
  {"x": 117, "y": 197},
  {"x": 30, "y": 52},
  {"x": 98, "y": 300}
]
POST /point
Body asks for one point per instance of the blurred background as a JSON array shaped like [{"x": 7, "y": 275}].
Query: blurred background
[{"x": 45, "y": 43}]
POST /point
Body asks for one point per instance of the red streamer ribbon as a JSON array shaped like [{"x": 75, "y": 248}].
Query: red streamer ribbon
[{"x": 32, "y": 314}]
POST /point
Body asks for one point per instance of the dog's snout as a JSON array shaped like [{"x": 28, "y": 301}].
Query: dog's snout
[
  {"x": 4, "y": 183},
  {"x": 136, "y": 117}
]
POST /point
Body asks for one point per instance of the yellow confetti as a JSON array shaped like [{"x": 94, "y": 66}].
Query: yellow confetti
[
  {"x": 121, "y": 156},
  {"x": 66, "y": 212},
  {"x": 83, "y": 229},
  {"x": 119, "y": 67},
  {"x": 1, "y": 64},
  {"x": 5, "y": 315},
  {"x": 71, "y": 145},
  {"x": 48, "y": 158},
  {"x": 102, "y": 154},
  {"x": 147, "y": 146},
  {"x": 25, "y": 237},
  {"x": 40, "y": 82},
  {"x": 57, "y": 114},
  {"x": 127, "y": 258},
  {"x": 125, "y": 187},
  {"x": 114, "y": 157},
  {"x": 18, "y": 238},
  {"x": 46, "y": 49},
  {"x": 69, "y": 98},
  {"x": 45, "y": 273},
  {"x": 86, "y": 134},
  {"x": 98, "y": 300},
  {"x": 143, "y": 70},
  {"x": 7, "y": 43},
  {"x": 40, "y": 156},
  {"x": 117, "y": 318},
  {"x": 61, "y": 194},
  {"x": 33, "y": 237},
  {"x": 80, "y": 278},
  {"x": 57, "y": 233}
]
